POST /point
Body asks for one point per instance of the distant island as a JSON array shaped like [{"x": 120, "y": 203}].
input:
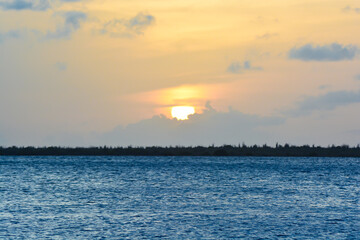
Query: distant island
[{"x": 225, "y": 150}]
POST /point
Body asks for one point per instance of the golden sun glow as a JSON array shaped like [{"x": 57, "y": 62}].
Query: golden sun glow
[{"x": 182, "y": 112}]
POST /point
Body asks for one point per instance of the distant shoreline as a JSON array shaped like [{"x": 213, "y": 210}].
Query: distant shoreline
[{"x": 225, "y": 150}]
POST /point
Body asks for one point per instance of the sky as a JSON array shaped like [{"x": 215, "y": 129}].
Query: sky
[{"x": 108, "y": 72}]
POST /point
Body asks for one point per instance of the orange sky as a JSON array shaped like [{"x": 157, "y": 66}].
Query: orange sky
[{"x": 81, "y": 67}]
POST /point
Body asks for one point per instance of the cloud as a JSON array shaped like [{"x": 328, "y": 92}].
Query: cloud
[
  {"x": 332, "y": 52},
  {"x": 351, "y": 9},
  {"x": 12, "y": 34},
  {"x": 209, "y": 127},
  {"x": 72, "y": 22},
  {"x": 328, "y": 101},
  {"x": 237, "y": 67},
  {"x": 357, "y": 77},
  {"x": 128, "y": 27},
  {"x": 32, "y": 5},
  {"x": 325, "y": 86},
  {"x": 19, "y": 5},
  {"x": 267, "y": 36},
  {"x": 61, "y": 66}
]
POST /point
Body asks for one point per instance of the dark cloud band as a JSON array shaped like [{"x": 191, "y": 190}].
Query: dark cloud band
[{"x": 332, "y": 52}]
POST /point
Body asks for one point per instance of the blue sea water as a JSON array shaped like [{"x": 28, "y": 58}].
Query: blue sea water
[{"x": 179, "y": 198}]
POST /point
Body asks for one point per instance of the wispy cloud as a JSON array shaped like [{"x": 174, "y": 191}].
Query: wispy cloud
[
  {"x": 328, "y": 101},
  {"x": 31, "y": 5},
  {"x": 237, "y": 67},
  {"x": 128, "y": 27},
  {"x": 61, "y": 66},
  {"x": 351, "y": 9},
  {"x": 331, "y": 52},
  {"x": 325, "y": 86},
  {"x": 267, "y": 36},
  {"x": 19, "y": 5},
  {"x": 12, "y": 34},
  {"x": 72, "y": 22}
]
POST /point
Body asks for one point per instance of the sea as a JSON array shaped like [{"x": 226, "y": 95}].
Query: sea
[{"x": 86, "y": 197}]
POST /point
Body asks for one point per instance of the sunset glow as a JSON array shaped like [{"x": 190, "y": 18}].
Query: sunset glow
[
  {"x": 70, "y": 68},
  {"x": 182, "y": 112}
]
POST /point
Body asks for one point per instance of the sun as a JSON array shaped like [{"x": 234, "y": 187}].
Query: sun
[{"x": 182, "y": 112}]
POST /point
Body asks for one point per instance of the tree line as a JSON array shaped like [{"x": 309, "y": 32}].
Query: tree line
[{"x": 225, "y": 150}]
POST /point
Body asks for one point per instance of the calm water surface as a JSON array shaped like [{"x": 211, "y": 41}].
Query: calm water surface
[{"x": 179, "y": 198}]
